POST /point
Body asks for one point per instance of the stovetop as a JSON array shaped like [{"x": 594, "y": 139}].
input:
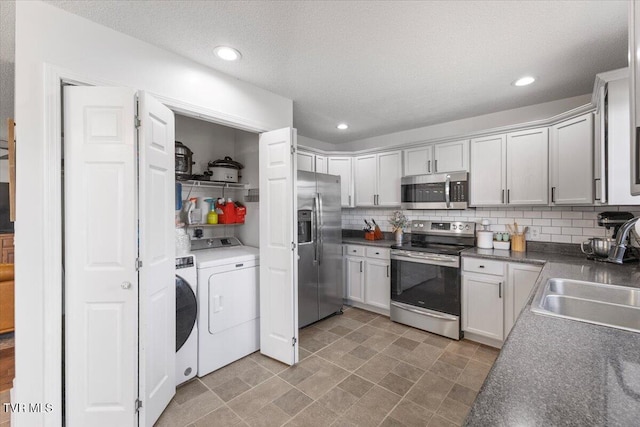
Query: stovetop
[
  {"x": 440, "y": 237},
  {"x": 434, "y": 248}
]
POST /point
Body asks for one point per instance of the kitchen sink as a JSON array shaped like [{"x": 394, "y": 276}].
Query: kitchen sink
[{"x": 597, "y": 303}]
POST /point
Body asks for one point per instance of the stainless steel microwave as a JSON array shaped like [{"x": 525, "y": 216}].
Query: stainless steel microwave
[{"x": 438, "y": 191}]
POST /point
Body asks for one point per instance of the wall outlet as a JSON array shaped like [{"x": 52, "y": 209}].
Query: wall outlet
[{"x": 534, "y": 232}]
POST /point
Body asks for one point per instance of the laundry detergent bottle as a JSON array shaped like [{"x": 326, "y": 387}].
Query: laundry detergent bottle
[{"x": 212, "y": 216}]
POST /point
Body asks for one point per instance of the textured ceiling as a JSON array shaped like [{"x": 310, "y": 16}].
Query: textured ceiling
[{"x": 387, "y": 66}]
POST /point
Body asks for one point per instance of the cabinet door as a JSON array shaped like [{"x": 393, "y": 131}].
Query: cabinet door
[
  {"x": 487, "y": 178},
  {"x": 321, "y": 164},
  {"x": 482, "y": 305},
  {"x": 389, "y": 175},
  {"x": 528, "y": 167},
  {"x": 520, "y": 281},
  {"x": 378, "y": 283},
  {"x": 365, "y": 180},
  {"x": 571, "y": 159},
  {"x": 451, "y": 156},
  {"x": 418, "y": 161},
  {"x": 355, "y": 278},
  {"x": 342, "y": 166},
  {"x": 305, "y": 162}
]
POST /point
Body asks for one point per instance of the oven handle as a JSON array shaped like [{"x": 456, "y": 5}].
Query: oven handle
[
  {"x": 424, "y": 260},
  {"x": 447, "y": 189},
  {"x": 424, "y": 313}
]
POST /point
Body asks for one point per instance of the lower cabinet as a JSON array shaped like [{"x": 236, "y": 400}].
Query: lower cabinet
[
  {"x": 493, "y": 295},
  {"x": 368, "y": 277}
]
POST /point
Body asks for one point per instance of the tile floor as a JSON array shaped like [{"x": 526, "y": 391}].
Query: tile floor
[{"x": 357, "y": 369}]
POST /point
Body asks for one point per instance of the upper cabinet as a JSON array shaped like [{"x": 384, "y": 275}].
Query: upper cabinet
[
  {"x": 570, "y": 161},
  {"x": 438, "y": 158},
  {"x": 342, "y": 166},
  {"x": 527, "y": 167},
  {"x": 510, "y": 169},
  {"x": 321, "y": 164},
  {"x": 377, "y": 179},
  {"x": 306, "y": 161}
]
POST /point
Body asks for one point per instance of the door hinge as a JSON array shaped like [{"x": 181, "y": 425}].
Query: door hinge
[
  {"x": 138, "y": 405},
  {"x": 294, "y": 340},
  {"x": 138, "y": 264},
  {"x": 293, "y": 149},
  {"x": 136, "y": 121},
  {"x": 293, "y": 246}
]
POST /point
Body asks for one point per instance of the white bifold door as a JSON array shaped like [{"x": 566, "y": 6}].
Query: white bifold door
[
  {"x": 278, "y": 246},
  {"x": 119, "y": 257}
]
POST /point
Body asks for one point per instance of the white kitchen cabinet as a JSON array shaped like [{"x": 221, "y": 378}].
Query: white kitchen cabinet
[
  {"x": 306, "y": 161},
  {"x": 483, "y": 305},
  {"x": 521, "y": 279},
  {"x": 488, "y": 174},
  {"x": 377, "y": 179},
  {"x": 570, "y": 161},
  {"x": 321, "y": 164},
  {"x": 368, "y": 277},
  {"x": 342, "y": 166},
  {"x": 527, "y": 167},
  {"x": 418, "y": 161},
  {"x": 451, "y": 156},
  {"x": 355, "y": 278}
]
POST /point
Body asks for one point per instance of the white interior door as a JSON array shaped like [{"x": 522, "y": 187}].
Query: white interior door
[
  {"x": 156, "y": 136},
  {"x": 101, "y": 281},
  {"x": 278, "y": 247}
]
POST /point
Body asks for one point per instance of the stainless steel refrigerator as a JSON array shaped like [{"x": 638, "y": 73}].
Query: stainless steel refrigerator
[{"x": 320, "y": 281}]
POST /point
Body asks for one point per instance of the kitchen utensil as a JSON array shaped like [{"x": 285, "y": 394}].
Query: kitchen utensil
[
  {"x": 183, "y": 160},
  {"x": 369, "y": 226},
  {"x": 597, "y": 246},
  {"x": 376, "y": 231},
  {"x": 518, "y": 242}
]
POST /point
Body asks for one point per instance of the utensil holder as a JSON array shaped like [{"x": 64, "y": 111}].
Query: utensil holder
[
  {"x": 518, "y": 243},
  {"x": 370, "y": 235}
]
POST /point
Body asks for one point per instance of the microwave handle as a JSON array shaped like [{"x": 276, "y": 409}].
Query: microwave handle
[{"x": 447, "y": 191}]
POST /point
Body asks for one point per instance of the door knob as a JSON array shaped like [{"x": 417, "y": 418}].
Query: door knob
[{"x": 125, "y": 285}]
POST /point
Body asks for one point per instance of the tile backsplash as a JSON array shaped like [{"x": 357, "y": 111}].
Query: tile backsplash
[{"x": 560, "y": 224}]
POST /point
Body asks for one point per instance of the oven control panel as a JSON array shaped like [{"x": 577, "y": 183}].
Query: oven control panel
[{"x": 444, "y": 227}]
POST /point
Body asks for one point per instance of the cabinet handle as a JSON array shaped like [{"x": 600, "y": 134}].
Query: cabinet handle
[
  {"x": 500, "y": 290},
  {"x": 481, "y": 266},
  {"x": 360, "y": 266},
  {"x": 429, "y": 166},
  {"x": 508, "y": 196},
  {"x": 387, "y": 271},
  {"x": 502, "y": 197},
  {"x": 349, "y": 199},
  {"x": 436, "y": 165},
  {"x": 595, "y": 189},
  {"x": 553, "y": 194}
]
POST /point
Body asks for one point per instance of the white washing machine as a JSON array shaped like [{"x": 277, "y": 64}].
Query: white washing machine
[
  {"x": 186, "y": 318},
  {"x": 228, "y": 302}
]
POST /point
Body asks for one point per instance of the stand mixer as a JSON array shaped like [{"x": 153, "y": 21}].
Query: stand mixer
[{"x": 598, "y": 248}]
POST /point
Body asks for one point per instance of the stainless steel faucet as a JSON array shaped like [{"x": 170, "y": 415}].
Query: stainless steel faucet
[{"x": 616, "y": 252}]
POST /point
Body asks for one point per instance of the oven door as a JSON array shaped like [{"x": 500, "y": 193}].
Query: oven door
[{"x": 425, "y": 293}]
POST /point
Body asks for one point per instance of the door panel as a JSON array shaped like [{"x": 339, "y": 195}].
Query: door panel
[
  {"x": 418, "y": 161},
  {"x": 365, "y": 180},
  {"x": 156, "y": 177},
  {"x": 307, "y": 263},
  {"x": 482, "y": 306},
  {"x": 232, "y": 298},
  {"x": 278, "y": 237},
  {"x": 101, "y": 283},
  {"x": 389, "y": 175},
  {"x": 355, "y": 278},
  {"x": 487, "y": 178},
  {"x": 342, "y": 166},
  {"x": 378, "y": 284},
  {"x": 527, "y": 167}
]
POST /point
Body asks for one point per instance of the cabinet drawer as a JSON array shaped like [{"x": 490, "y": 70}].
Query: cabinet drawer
[
  {"x": 353, "y": 250},
  {"x": 484, "y": 266},
  {"x": 380, "y": 253}
]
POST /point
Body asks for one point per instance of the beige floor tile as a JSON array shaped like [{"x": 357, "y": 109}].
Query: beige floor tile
[
  {"x": 437, "y": 341},
  {"x": 343, "y": 422},
  {"x": 231, "y": 389},
  {"x": 423, "y": 356},
  {"x": 373, "y": 407},
  {"x": 410, "y": 372},
  {"x": 295, "y": 374},
  {"x": 438, "y": 421},
  {"x": 340, "y": 330},
  {"x": 360, "y": 315},
  {"x": 486, "y": 354},
  {"x": 391, "y": 422},
  {"x": 453, "y": 411},
  {"x": 293, "y": 402},
  {"x": 323, "y": 380},
  {"x": 267, "y": 362},
  {"x": 357, "y": 337},
  {"x": 474, "y": 375},
  {"x": 410, "y": 414},
  {"x": 406, "y": 343},
  {"x": 464, "y": 348},
  {"x": 248, "y": 403},
  {"x": 454, "y": 359},
  {"x": 303, "y": 354},
  {"x": 446, "y": 370},
  {"x": 227, "y": 373},
  {"x": 190, "y": 390},
  {"x": 221, "y": 417},
  {"x": 340, "y": 353},
  {"x": 181, "y": 414},
  {"x": 377, "y": 367},
  {"x": 383, "y": 322},
  {"x": 356, "y": 385},
  {"x": 326, "y": 337},
  {"x": 338, "y": 400},
  {"x": 430, "y": 391},
  {"x": 315, "y": 415},
  {"x": 362, "y": 352},
  {"x": 312, "y": 345},
  {"x": 396, "y": 384},
  {"x": 416, "y": 334},
  {"x": 463, "y": 394},
  {"x": 268, "y": 416},
  {"x": 255, "y": 374}
]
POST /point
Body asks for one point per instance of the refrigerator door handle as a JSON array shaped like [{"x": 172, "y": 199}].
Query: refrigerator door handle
[
  {"x": 320, "y": 224},
  {"x": 314, "y": 228}
]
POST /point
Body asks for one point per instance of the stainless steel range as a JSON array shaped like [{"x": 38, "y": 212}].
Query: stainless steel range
[{"x": 425, "y": 276}]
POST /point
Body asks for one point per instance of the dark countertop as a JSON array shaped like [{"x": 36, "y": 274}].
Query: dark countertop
[
  {"x": 386, "y": 243},
  {"x": 554, "y": 371},
  {"x": 529, "y": 257}
]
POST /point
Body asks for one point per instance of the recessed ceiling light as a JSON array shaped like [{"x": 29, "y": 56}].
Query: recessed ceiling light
[
  {"x": 524, "y": 81},
  {"x": 343, "y": 126},
  {"x": 227, "y": 53}
]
